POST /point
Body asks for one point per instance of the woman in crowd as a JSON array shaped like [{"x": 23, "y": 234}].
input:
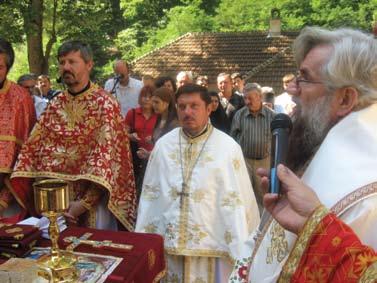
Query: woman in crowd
[
  {"x": 164, "y": 106},
  {"x": 166, "y": 82},
  {"x": 218, "y": 116},
  {"x": 140, "y": 123}
]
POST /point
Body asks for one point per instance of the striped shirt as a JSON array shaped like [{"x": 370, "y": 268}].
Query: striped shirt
[{"x": 252, "y": 131}]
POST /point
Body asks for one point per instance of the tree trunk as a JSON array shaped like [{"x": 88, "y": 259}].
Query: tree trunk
[
  {"x": 51, "y": 41},
  {"x": 117, "y": 18},
  {"x": 33, "y": 25}
]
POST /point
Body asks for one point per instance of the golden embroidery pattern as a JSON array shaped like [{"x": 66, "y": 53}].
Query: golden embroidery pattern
[
  {"x": 336, "y": 241},
  {"x": 231, "y": 200},
  {"x": 175, "y": 158},
  {"x": 195, "y": 234},
  {"x": 13, "y": 230},
  {"x": 150, "y": 228},
  {"x": 236, "y": 164},
  {"x": 228, "y": 237},
  {"x": 279, "y": 244},
  {"x": 73, "y": 112},
  {"x": 19, "y": 236},
  {"x": 298, "y": 249},
  {"x": 5, "y": 224},
  {"x": 171, "y": 231},
  {"x": 150, "y": 193},
  {"x": 174, "y": 193},
  {"x": 198, "y": 195},
  {"x": 68, "y": 156},
  {"x": 370, "y": 275},
  {"x": 199, "y": 280},
  {"x": 318, "y": 274},
  {"x": 362, "y": 261},
  {"x": 151, "y": 259}
]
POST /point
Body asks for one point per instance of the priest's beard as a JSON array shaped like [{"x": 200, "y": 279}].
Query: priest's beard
[{"x": 309, "y": 129}]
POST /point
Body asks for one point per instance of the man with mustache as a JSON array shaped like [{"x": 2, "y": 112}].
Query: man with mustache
[
  {"x": 17, "y": 118},
  {"x": 29, "y": 81},
  {"x": 333, "y": 149},
  {"x": 251, "y": 129},
  {"x": 44, "y": 87},
  {"x": 124, "y": 88},
  {"x": 197, "y": 194},
  {"x": 81, "y": 139},
  {"x": 230, "y": 101}
]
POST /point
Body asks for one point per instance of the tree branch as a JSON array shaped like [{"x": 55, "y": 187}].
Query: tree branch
[{"x": 52, "y": 39}]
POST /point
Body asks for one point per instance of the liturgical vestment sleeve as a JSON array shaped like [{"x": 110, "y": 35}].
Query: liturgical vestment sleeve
[{"x": 329, "y": 251}]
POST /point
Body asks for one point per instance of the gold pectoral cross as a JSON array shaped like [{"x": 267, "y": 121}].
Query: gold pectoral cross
[
  {"x": 96, "y": 244},
  {"x": 183, "y": 194}
]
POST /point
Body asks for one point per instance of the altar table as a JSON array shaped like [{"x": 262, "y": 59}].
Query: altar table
[{"x": 144, "y": 263}]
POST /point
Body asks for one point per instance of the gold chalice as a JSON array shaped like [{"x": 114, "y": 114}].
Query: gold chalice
[{"x": 51, "y": 197}]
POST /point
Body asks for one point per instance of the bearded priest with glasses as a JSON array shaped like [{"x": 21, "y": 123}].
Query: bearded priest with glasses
[{"x": 333, "y": 149}]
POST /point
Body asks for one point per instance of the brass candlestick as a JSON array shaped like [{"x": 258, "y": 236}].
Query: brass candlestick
[{"x": 51, "y": 199}]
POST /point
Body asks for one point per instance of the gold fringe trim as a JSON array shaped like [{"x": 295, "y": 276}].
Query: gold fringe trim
[
  {"x": 11, "y": 139},
  {"x": 299, "y": 248},
  {"x": 89, "y": 177},
  {"x": 5, "y": 170},
  {"x": 200, "y": 252},
  {"x": 370, "y": 274},
  {"x": 186, "y": 269},
  {"x": 211, "y": 270}
]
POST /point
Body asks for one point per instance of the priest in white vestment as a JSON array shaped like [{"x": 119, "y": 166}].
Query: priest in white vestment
[
  {"x": 197, "y": 194},
  {"x": 333, "y": 147}
]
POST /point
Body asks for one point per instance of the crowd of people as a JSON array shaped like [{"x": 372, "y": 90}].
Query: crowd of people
[{"x": 170, "y": 156}]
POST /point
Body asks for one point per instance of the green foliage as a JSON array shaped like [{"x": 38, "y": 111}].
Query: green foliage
[
  {"x": 243, "y": 15},
  {"x": 126, "y": 43},
  {"x": 180, "y": 20},
  {"x": 11, "y": 21},
  {"x": 130, "y": 28},
  {"x": 20, "y": 65},
  {"x": 147, "y": 13}
]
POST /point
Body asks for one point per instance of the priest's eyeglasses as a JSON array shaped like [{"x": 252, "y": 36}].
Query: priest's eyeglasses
[{"x": 299, "y": 79}]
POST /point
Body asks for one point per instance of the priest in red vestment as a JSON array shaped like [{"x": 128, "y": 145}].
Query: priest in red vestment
[
  {"x": 81, "y": 138},
  {"x": 17, "y": 117}
]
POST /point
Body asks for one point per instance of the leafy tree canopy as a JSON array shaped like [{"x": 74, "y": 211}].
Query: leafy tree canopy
[{"x": 130, "y": 28}]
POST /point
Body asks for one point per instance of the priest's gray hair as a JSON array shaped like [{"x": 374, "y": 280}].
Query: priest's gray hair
[
  {"x": 185, "y": 74},
  {"x": 353, "y": 61},
  {"x": 249, "y": 87}
]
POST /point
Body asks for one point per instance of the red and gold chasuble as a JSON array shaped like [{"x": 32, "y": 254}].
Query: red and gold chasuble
[
  {"x": 17, "y": 117},
  {"x": 327, "y": 250},
  {"x": 82, "y": 138}
]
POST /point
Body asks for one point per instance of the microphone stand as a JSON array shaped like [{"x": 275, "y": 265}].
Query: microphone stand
[{"x": 116, "y": 82}]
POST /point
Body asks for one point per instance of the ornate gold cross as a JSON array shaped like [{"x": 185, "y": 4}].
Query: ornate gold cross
[
  {"x": 96, "y": 244},
  {"x": 183, "y": 194}
]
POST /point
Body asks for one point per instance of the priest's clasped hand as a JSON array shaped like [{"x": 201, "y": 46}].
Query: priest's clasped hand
[
  {"x": 293, "y": 207},
  {"x": 142, "y": 153},
  {"x": 134, "y": 137},
  {"x": 75, "y": 209}
]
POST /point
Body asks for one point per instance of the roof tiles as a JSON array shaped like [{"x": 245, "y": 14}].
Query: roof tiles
[{"x": 264, "y": 60}]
